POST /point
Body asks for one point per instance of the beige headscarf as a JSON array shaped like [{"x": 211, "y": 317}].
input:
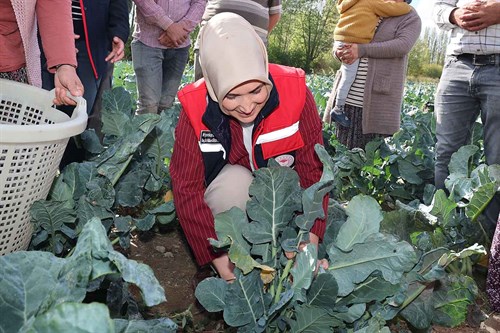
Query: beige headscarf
[{"x": 231, "y": 53}]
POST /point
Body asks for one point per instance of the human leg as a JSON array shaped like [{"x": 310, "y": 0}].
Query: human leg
[
  {"x": 221, "y": 195},
  {"x": 89, "y": 81},
  {"x": 348, "y": 75},
  {"x": 489, "y": 94},
  {"x": 348, "y": 72},
  {"x": 106, "y": 85},
  {"x": 456, "y": 110},
  {"x": 353, "y": 136},
  {"x": 174, "y": 63},
  {"x": 147, "y": 62}
]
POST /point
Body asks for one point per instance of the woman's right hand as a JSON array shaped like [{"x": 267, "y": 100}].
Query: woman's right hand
[
  {"x": 224, "y": 267},
  {"x": 347, "y": 53},
  {"x": 66, "y": 80}
]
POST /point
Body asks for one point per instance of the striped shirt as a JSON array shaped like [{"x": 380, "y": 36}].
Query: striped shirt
[
  {"x": 255, "y": 11},
  {"x": 76, "y": 14},
  {"x": 155, "y": 16},
  {"x": 485, "y": 41},
  {"x": 188, "y": 176},
  {"x": 76, "y": 11},
  {"x": 357, "y": 91}
]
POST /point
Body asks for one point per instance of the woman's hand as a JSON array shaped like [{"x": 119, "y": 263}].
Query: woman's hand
[
  {"x": 224, "y": 267},
  {"x": 313, "y": 239},
  {"x": 66, "y": 79},
  {"x": 347, "y": 53}
]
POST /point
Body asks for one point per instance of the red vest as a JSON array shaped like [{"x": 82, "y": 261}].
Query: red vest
[{"x": 277, "y": 134}]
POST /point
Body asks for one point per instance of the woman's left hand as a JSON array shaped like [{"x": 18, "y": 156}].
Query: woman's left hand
[{"x": 313, "y": 239}]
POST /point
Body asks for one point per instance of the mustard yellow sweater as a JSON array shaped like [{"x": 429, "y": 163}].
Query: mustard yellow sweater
[{"x": 359, "y": 18}]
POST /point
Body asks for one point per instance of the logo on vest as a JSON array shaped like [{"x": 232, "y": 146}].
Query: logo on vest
[
  {"x": 285, "y": 160},
  {"x": 207, "y": 137}
]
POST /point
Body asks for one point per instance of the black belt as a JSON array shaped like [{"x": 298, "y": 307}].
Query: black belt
[{"x": 480, "y": 59}]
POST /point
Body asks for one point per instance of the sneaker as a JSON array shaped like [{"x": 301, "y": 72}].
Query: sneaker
[{"x": 338, "y": 115}]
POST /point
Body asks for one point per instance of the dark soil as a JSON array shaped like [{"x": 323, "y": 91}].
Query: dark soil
[{"x": 167, "y": 253}]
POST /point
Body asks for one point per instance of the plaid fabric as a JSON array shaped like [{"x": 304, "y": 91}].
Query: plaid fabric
[
  {"x": 153, "y": 17},
  {"x": 19, "y": 75},
  {"x": 485, "y": 41}
]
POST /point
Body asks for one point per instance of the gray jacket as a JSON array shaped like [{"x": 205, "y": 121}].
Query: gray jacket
[{"x": 387, "y": 61}]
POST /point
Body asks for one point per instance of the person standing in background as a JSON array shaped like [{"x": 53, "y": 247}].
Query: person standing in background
[
  {"x": 470, "y": 87},
  {"x": 374, "y": 101},
  {"x": 357, "y": 24},
  {"x": 263, "y": 15},
  {"x": 160, "y": 49},
  {"x": 105, "y": 86},
  {"x": 101, "y": 29},
  {"x": 20, "y": 51}
]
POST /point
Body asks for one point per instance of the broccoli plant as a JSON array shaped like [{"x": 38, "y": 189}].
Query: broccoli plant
[{"x": 372, "y": 277}]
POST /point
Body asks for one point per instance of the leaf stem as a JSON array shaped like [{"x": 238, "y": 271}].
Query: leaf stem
[
  {"x": 117, "y": 239},
  {"x": 283, "y": 276},
  {"x": 412, "y": 297},
  {"x": 122, "y": 170}
]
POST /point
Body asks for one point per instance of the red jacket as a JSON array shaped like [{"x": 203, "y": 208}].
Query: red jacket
[{"x": 191, "y": 169}]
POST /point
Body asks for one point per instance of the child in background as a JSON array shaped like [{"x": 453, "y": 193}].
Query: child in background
[{"x": 357, "y": 23}]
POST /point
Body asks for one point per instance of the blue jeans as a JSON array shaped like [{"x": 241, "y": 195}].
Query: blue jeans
[
  {"x": 158, "y": 75},
  {"x": 466, "y": 91}
]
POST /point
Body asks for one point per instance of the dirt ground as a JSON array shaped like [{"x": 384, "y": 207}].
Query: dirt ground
[{"x": 167, "y": 253}]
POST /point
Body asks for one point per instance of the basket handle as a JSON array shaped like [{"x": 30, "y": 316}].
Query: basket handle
[{"x": 81, "y": 103}]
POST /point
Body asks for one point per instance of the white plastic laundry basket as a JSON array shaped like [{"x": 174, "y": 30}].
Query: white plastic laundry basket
[{"x": 33, "y": 137}]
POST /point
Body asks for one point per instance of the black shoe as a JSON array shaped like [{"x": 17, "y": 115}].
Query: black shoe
[{"x": 337, "y": 115}]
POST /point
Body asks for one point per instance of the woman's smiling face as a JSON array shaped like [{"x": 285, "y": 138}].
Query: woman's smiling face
[{"x": 245, "y": 101}]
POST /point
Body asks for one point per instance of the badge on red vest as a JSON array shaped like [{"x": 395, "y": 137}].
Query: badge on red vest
[
  {"x": 285, "y": 160},
  {"x": 209, "y": 143}
]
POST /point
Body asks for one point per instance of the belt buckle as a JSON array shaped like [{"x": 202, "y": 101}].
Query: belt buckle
[
  {"x": 475, "y": 60},
  {"x": 482, "y": 60}
]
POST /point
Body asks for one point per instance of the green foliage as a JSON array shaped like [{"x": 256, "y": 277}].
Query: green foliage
[
  {"x": 432, "y": 71},
  {"x": 304, "y": 33},
  {"x": 372, "y": 276},
  {"x": 124, "y": 76},
  {"x": 427, "y": 55},
  {"x": 122, "y": 183},
  {"x": 410, "y": 262},
  {"x": 397, "y": 168},
  {"x": 320, "y": 86},
  {"x": 42, "y": 293}
]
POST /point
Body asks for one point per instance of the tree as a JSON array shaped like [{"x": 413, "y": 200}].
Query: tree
[
  {"x": 316, "y": 20},
  {"x": 304, "y": 32}
]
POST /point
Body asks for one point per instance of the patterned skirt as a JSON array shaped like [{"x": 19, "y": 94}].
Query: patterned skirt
[
  {"x": 19, "y": 75},
  {"x": 353, "y": 136},
  {"x": 493, "y": 279}
]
